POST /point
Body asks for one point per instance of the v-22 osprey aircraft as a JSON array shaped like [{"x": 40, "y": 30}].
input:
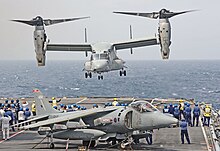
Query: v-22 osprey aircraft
[{"x": 103, "y": 55}]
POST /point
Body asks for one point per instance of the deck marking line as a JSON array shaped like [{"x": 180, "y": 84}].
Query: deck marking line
[
  {"x": 204, "y": 134},
  {"x": 13, "y": 135},
  {"x": 81, "y": 100}
]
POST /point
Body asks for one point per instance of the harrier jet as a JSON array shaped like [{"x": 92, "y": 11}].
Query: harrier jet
[{"x": 113, "y": 123}]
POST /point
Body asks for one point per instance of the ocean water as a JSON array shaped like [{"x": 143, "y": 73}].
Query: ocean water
[{"x": 152, "y": 79}]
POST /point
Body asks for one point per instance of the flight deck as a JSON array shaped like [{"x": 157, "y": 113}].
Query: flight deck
[{"x": 164, "y": 139}]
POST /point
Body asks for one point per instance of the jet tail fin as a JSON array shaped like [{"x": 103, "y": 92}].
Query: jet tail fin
[{"x": 43, "y": 107}]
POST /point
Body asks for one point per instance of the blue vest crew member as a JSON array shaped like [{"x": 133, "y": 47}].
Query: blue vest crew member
[
  {"x": 196, "y": 114},
  {"x": 188, "y": 114},
  {"x": 184, "y": 131},
  {"x": 165, "y": 110}
]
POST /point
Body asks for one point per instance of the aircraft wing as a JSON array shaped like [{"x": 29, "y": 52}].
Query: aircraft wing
[
  {"x": 33, "y": 119},
  {"x": 133, "y": 43},
  {"x": 68, "y": 47},
  {"x": 69, "y": 117}
]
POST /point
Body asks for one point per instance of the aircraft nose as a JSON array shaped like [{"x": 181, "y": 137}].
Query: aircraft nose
[
  {"x": 99, "y": 65},
  {"x": 167, "y": 120}
]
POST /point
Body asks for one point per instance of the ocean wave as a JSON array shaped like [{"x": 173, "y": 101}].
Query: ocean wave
[{"x": 214, "y": 91}]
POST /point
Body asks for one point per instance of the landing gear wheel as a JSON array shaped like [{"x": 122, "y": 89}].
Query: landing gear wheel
[
  {"x": 136, "y": 141},
  {"x": 51, "y": 145},
  {"x": 86, "y": 75},
  {"x": 124, "y": 73},
  {"x": 120, "y": 73},
  {"x": 114, "y": 141},
  {"x": 90, "y": 75},
  {"x": 100, "y": 77},
  {"x": 93, "y": 143},
  {"x": 86, "y": 143},
  {"x": 122, "y": 145}
]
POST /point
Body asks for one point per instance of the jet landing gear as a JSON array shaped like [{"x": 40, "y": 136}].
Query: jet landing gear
[
  {"x": 88, "y": 75},
  {"x": 51, "y": 145},
  {"x": 100, "y": 77},
  {"x": 122, "y": 72},
  {"x": 126, "y": 143}
]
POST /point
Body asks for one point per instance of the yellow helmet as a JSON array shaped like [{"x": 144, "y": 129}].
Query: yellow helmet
[
  {"x": 53, "y": 98},
  {"x": 115, "y": 99}
]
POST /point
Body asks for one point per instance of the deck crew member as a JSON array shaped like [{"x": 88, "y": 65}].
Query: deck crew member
[
  {"x": 5, "y": 126},
  {"x": 207, "y": 115},
  {"x": 95, "y": 106},
  {"x": 54, "y": 101},
  {"x": 171, "y": 109},
  {"x": 33, "y": 108},
  {"x": 196, "y": 114},
  {"x": 24, "y": 105},
  {"x": 165, "y": 109},
  {"x": 6, "y": 103},
  {"x": 2, "y": 112},
  {"x": 149, "y": 137},
  {"x": 21, "y": 116},
  {"x": 184, "y": 131},
  {"x": 27, "y": 114},
  {"x": 176, "y": 113},
  {"x": 181, "y": 108},
  {"x": 17, "y": 108},
  {"x": 188, "y": 114},
  {"x": 9, "y": 112},
  {"x": 115, "y": 102}
]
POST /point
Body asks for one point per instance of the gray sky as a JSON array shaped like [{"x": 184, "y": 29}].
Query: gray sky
[{"x": 195, "y": 35}]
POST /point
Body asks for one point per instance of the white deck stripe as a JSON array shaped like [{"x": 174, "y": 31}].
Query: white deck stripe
[
  {"x": 13, "y": 135},
  {"x": 204, "y": 134},
  {"x": 81, "y": 100}
]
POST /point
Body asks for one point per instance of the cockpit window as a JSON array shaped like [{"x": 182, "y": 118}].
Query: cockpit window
[
  {"x": 143, "y": 106},
  {"x": 103, "y": 56},
  {"x": 99, "y": 56},
  {"x": 95, "y": 57}
]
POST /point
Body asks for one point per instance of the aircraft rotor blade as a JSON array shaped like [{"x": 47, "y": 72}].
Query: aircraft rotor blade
[
  {"x": 153, "y": 15},
  {"x": 163, "y": 13},
  {"x": 31, "y": 22},
  {"x": 48, "y": 22},
  {"x": 171, "y": 14}
]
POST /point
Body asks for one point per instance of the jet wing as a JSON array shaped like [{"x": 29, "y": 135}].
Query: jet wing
[
  {"x": 133, "y": 43},
  {"x": 69, "y": 117},
  {"x": 33, "y": 119},
  {"x": 68, "y": 47}
]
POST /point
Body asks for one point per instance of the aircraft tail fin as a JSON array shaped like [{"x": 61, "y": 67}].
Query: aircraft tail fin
[{"x": 43, "y": 106}]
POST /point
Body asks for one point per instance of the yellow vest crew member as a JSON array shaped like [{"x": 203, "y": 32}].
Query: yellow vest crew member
[
  {"x": 115, "y": 102},
  {"x": 54, "y": 101},
  {"x": 207, "y": 115},
  {"x": 33, "y": 108}
]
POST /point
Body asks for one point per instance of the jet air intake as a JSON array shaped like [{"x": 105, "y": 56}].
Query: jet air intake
[
  {"x": 164, "y": 29},
  {"x": 40, "y": 37}
]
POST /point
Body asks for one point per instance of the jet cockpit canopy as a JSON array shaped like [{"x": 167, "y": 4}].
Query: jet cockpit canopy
[{"x": 143, "y": 106}]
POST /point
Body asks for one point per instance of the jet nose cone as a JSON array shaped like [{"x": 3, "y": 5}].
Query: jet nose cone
[
  {"x": 99, "y": 65},
  {"x": 168, "y": 120}
]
